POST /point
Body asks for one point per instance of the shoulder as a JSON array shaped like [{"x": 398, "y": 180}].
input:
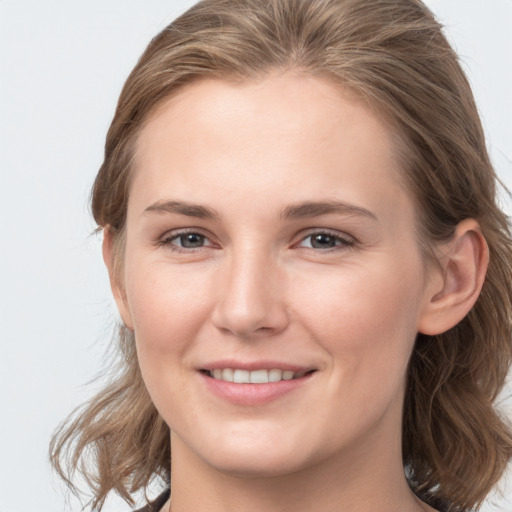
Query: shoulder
[{"x": 156, "y": 504}]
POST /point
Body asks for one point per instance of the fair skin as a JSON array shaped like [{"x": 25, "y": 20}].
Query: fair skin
[{"x": 268, "y": 227}]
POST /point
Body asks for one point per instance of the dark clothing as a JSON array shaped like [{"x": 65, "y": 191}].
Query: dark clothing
[{"x": 156, "y": 504}]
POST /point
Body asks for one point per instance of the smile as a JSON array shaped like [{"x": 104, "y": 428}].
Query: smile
[
  {"x": 255, "y": 386},
  {"x": 262, "y": 376}
]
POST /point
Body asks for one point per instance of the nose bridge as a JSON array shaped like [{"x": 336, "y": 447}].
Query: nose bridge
[{"x": 250, "y": 294}]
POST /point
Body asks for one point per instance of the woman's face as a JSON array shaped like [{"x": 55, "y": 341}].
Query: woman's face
[{"x": 269, "y": 236}]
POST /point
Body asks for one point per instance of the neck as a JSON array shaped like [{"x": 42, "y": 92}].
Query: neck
[{"x": 364, "y": 478}]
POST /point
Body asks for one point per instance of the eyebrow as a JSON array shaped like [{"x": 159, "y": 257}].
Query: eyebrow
[
  {"x": 183, "y": 208},
  {"x": 305, "y": 209},
  {"x": 315, "y": 209}
]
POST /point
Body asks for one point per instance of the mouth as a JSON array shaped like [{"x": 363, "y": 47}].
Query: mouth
[
  {"x": 255, "y": 383},
  {"x": 259, "y": 376}
]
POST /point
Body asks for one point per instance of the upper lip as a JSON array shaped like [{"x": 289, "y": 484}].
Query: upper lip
[{"x": 255, "y": 365}]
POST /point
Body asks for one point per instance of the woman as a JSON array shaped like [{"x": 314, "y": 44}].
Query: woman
[{"x": 313, "y": 275}]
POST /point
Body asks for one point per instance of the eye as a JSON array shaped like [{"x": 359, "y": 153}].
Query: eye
[
  {"x": 185, "y": 240},
  {"x": 189, "y": 240},
  {"x": 326, "y": 240}
]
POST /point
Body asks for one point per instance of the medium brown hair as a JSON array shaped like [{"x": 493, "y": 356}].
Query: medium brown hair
[{"x": 393, "y": 54}]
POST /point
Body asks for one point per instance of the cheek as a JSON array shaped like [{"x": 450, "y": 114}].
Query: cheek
[
  {"x": 364, "y": 317},
  {"x": 168, "y": 310},
  {"x": 366, "y": 325},
  {"x": 167, "y": 305}
]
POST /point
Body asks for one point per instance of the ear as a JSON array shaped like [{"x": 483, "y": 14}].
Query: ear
[
  {"x": 454, "y": 289},
  {"x": 117, "y": 288}
]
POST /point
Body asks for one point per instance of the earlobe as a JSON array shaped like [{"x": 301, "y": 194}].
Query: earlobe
[
  {"x": 453, "y": 293},
  {"x": 117, "y": 289}
]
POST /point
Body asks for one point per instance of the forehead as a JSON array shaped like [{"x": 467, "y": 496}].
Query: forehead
[
  {"x": 285, "y": 137},
  {"x": 278, "y": 104}
]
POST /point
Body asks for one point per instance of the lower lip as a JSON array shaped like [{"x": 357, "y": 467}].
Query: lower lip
[{"x": 253, "y": 394}]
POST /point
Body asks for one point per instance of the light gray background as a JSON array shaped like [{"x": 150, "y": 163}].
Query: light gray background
[{"x": 62, "y": 65}]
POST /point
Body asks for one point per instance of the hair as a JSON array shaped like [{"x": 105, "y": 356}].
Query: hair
[{"x": 456, "y": 445}]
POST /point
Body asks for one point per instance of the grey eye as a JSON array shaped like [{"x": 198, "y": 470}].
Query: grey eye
[
  {"x": 190, "y": 240},
  {"x": 323, "y": 241},
  {"x": 326, "y": 240}
]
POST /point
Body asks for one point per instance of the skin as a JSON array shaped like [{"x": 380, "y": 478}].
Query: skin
[{"x": 259, "y": 286}]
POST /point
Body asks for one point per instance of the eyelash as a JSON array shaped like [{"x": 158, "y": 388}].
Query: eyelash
[
  {"x": 342, "y": 242},
  {"x": 169, "y": 238}
]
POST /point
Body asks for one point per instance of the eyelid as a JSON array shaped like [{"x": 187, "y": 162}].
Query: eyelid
[
  {"x": 347, "y": 241},
  {"x": 166, "y": 239}
]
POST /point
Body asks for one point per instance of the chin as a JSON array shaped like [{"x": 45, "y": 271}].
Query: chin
[
  {"x": 256, "y": 455},
  {"x": 252, "y": 466}
]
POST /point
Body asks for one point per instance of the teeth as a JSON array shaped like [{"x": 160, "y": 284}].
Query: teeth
[
  {"x": 241, "y": 377},
  {"x": 254, "y": 377},
  {"x": 275, "y": 375},
  {"x": 228, "y": 375},
  {"x": 259, "y": 377}
]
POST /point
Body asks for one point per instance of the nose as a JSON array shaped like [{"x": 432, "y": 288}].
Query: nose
[{"x": 251, "y": 291}]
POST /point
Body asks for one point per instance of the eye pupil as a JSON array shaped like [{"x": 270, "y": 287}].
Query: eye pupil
[
  {"x": 191, "y": 240},
  {"x": 321, "y": 241}
]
